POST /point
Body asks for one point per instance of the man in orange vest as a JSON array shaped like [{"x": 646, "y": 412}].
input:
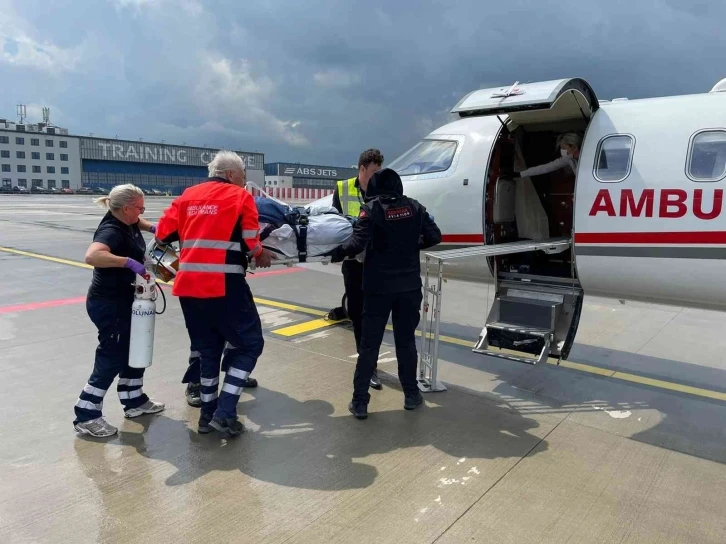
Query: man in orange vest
[{"x": 216, "y": 224}]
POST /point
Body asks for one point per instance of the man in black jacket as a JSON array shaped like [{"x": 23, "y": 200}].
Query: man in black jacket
[
  {"x": 392, "y": 228},
  {"x": 348, "y": 198}
]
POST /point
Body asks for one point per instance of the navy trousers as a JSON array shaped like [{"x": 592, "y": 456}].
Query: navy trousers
[
  {"x": 405, "y": 308},
  {"x": 113, "y": 321},
  {"x": 214, "y": 323},
  {"x": 194, "y": 369}
]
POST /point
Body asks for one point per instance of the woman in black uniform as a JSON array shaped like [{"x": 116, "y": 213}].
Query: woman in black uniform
[{"x": 117, "y": 255}]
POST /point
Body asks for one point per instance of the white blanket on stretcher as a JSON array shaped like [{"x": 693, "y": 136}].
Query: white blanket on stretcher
[{"x": 325, "y": 233}]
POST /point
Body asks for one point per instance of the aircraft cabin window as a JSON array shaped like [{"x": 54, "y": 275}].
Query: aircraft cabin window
[
  {"x": 614, "y": 158},
  {"x": 427, "y": 157},
  {"x": 707, "y": 156}
]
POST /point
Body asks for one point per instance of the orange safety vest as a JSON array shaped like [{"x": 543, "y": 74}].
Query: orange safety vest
[{"x": 217, "y": 226}]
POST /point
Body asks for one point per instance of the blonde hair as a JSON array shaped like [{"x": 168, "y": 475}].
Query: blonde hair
[
  {"x": 572, "y": 139},
  {"x": 120, "y": 196}
]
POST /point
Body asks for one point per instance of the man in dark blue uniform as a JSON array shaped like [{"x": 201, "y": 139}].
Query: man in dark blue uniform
[
  {"x": 192, "y": 377},
  {"x": 392, "y": 228}
]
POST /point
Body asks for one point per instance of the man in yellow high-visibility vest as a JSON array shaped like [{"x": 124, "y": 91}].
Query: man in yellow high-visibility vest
[{"x": 347, "y": 199}]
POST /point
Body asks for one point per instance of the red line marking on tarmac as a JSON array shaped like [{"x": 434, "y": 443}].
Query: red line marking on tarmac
[
  {"x": 79, "y": 300},
  {"x": 254, "y": 275},
  {"x": 39, "y": 305},
  {"x": 290, "y": 270}
]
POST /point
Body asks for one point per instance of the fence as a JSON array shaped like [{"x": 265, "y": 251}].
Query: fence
[
  {"x": 293, "y": 193},
  {"x": 282, "y": 193}
]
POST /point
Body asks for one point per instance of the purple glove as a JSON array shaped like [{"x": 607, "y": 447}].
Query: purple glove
[
  {"x": 136, "y": 266},
  {"x": 153, "y": 229}
]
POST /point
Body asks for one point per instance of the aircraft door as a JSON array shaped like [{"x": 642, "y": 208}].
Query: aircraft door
[{"x": 539, "y": 298}]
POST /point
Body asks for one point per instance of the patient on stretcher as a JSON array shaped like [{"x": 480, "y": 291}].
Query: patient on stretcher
[
  {"x": 301, "y": 233},
  {"x": 289, "y": 233}
]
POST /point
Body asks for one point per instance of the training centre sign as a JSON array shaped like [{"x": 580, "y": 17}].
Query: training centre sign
[
  {"x": 119, "y": 150},
  {"x": 311, "y": 171}
]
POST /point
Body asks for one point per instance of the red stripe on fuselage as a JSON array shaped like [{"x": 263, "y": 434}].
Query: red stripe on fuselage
[
  {"x": 717, "y": 237},
  {"x": 462, "y": 238}
]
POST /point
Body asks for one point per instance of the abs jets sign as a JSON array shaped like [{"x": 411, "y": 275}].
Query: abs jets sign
[
  {"x": 314, "y": 171},
  {"x": 310, "y": 171}
]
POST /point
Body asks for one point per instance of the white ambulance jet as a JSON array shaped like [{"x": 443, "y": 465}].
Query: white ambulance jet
[{"x": 639, "y": 214}]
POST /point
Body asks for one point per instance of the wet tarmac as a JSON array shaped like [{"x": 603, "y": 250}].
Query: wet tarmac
[{"x": 623, "y": 443}]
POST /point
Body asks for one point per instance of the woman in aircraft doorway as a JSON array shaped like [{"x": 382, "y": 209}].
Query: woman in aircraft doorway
[{"x": 569, "y": 146}]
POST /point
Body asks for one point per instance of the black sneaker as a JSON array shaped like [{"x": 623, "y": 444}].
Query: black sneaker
[
  {"x": 375, "y": 382},
  {"x": 204, "y": 421},
  {"x": 358, "y": 409},
  {"x": 250, "y": 382},
  {"x": 228, "y": 427},
  {"x": 193, "y": 394},
  {"x": 411, "y": 402}
]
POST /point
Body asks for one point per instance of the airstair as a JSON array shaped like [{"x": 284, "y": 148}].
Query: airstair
[{"x": 527, "y": 315}]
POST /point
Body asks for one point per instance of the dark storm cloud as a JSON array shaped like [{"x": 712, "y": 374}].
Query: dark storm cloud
[{"x": 320, "y": 81}]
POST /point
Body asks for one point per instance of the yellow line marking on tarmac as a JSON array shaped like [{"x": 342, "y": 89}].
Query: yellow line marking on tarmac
[
  {"x": 583, "y": 368},
  {"x": 670, "y": 386},
  {"x": 634, "y": 378},
  {"x": 45, "y": 257},
  {"x": 264, "y": 302},
  {"x": 307, "y": 326},
  {"x": 315, "y": 324},
  {"x": 443, "y": 338},
  {"x": 291, "y": 307}
]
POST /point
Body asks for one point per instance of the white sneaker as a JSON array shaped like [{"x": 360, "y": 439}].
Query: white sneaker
[
  {"x": 149, "y": 407},
  {"x": 96, "y": 427}
]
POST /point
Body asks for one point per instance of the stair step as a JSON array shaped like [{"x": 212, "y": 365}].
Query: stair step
[
  {"x": 529, "y": 312},
  {"x": 511, "y": 327},
  {"x": 524, "y": 337}
]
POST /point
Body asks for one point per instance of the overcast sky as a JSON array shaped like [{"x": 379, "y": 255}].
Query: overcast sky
[{"x": 318, "y": 81}]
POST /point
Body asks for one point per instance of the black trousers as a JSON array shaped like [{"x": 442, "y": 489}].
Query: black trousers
[
  {"x": 113, "y": 321},
  {"x": 405, "y": 308},
  {"x": 353, "y": 281}
]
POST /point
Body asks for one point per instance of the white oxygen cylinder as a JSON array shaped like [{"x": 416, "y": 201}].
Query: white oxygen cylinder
[{"x": 143, "y": 319}]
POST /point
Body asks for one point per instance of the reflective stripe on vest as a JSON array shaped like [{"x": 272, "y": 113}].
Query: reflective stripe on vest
[
  {"x": 211, "y": 244},
  {"x": 255, "y": 251},
  {"x": 224, "y": 268},
  {"x": 349, "y": 197}
]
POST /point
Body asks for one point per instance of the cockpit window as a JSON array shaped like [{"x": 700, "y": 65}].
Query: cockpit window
[
  {"x": 707, "y": 156},
  {"x": 614, "y": 158},
  {"x": 426, "y": 157}
]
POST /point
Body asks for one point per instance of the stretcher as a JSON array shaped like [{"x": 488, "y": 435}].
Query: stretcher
[
  {"x": 293, "y": 261},
  {"x": 299, "y": 235},
  {"x": 165, "y": 259}
]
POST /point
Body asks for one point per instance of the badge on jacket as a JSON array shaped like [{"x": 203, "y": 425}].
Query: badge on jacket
[{"x": 393, "y": 214}]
